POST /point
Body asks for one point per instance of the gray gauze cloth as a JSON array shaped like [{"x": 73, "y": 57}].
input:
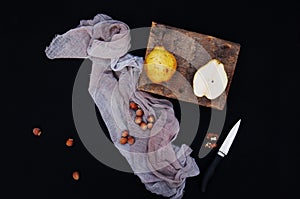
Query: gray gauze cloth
[{"x": 161, "y": 166}]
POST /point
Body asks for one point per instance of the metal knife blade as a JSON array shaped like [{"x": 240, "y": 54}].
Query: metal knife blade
[
  {"x": 223, "y": 151},
  {"x": 229, "y": 139}
]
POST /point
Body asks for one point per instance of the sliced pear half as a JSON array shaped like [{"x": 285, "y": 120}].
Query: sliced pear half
[{"x": 210, "y": 80}]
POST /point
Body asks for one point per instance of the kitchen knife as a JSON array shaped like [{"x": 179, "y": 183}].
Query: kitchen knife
[{"x": 221, "y": 153}]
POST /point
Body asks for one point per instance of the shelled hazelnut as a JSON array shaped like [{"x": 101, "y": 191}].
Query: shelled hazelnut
[
  {"x": 150, "y": 118},
  {"x": 126, "y": 138},
  {"x": 138, "y": 120},
  {"x": 125, "y": 133},
  {"x": 133, "y": 106},
  {"x": 37, "y": 131},
  {"x": 130, "y": 140},
  {"x": 123, "y": 140},
  {"x": 143, "y": 126},
  {"x": 75, "y": 175},
  {"x": 69, "y": 142},
  {"x": 150, "y": 125},
  {"x": 139, "y": 113}
]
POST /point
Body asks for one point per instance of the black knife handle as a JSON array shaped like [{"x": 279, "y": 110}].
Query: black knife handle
[{"x": 210, "y": 172}]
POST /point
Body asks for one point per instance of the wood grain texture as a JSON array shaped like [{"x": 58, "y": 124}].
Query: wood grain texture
[{"x": 191, "y": 50}]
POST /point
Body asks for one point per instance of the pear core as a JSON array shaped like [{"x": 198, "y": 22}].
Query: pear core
[{"x": 210, "y": 80}]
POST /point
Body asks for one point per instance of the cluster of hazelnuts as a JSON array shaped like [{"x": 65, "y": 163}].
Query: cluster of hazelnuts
[
  {"x": 139, "y": 117},
  {"x": 126, "y": 138}
]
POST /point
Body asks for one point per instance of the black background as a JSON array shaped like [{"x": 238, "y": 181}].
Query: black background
[{"x": 39, "y": 94}]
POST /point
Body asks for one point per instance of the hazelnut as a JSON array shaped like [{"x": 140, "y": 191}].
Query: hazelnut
[
  {"x": 150, "y": 118},
  {"x": 130, "y": 140},
  {"x": 69, "y": 142},
  {"x": 150, "y": 125},
  {"x": 75, "y": 175},
  {"x": 138, "y": 120},
  {"x": 210, "y": 136},
  {"x": 125, "y": 133},
  {"x": 133, "y": 106},
  {"x": 37, "y": 131},
  {"x": 143, "y": 126},
  {"x": 139, "y": 112},
  {"x": 123, "y": 140}
]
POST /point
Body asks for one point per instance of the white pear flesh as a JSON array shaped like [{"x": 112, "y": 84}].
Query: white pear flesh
[{"x": 210, "y": 80}]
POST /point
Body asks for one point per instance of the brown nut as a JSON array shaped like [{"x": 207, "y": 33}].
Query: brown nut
[
  {"x": 143, "y": 126},
  {"x": 212, "y": 136},
  {"x": 138, "y": 120},
  {"x": 69, "y": 142},
  {"x": 130, "y": 140},
  {"x": 125, "y": 133},
  {"x": 139, "y": 113},
  {"x": 150, "y": 118},
  {"x": 150, "y": 125},
  {"x": 37, "y": 131},
  {"x": 123, "y": 140},
  {"x": 133, "y": 106},
  {"x": 75, "y": 175}
]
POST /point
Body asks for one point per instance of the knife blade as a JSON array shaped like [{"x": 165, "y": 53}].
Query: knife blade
[{"x": 223, "y": 151}]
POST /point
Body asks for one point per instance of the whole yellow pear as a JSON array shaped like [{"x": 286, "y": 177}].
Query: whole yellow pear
[{"x": 160, "y": 65}]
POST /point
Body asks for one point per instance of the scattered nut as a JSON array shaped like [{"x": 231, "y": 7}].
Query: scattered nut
[
  {"x": 139, "y": 112},
  {"x": 125, "y": 133},
  {"x": 75, "y": 175},
  {"x": 123, "y": 140},
  {"x": 69, "y": 142},
  {"x": 37, "y": 131},
  {"x": 208, "y": 145},
  {"x": 133, "y": 106},
  {"x": 130, "y": 140},
  {"x": 138, "y": 120},
  {"x": 143, "y": 126},
  {"x": 150, "y": 118},
  {"x": 150, "y": 125},
  {"x": 212, "y": 136}
]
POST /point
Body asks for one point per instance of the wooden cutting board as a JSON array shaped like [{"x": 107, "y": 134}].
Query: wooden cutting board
[{"x": 191, "y": 50}]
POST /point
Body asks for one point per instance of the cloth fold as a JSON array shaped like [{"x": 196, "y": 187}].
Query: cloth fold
[{"x": 161, "y": 166}]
